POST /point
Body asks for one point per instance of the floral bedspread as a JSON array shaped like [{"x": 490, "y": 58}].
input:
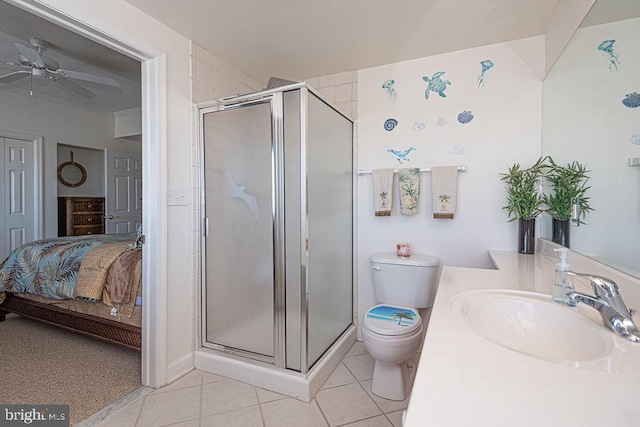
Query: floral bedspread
[{"x": 49, "y": 267}]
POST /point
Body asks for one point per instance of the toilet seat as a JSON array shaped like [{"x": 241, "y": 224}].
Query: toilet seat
[{"x": 383, "y": 319}]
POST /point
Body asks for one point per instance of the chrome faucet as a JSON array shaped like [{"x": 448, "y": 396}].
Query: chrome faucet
[{"x": 608, "y": 301}]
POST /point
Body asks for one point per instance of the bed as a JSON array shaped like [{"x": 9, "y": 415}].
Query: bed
[{"x": 87, "y": 284}]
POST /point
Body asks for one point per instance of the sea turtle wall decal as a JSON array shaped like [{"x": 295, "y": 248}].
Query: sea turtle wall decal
[{"x": 436, "y": 84}]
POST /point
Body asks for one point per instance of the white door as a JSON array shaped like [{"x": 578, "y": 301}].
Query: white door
[
  {"x": 17, "y": 201},
  {"x": 123, "y": 210}
]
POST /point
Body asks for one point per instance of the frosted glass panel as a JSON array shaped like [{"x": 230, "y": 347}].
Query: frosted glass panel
[
  {"x": 239, "y": 248},
  {"x": 329, "y": 197},
  {"x": 293, "y": 212}
]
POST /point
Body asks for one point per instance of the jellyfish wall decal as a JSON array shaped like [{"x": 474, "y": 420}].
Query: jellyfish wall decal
[
  {"x": 486, "y": 66},
  {"x": 388, "y": 86},
  {"x": 606, "y": 47}
]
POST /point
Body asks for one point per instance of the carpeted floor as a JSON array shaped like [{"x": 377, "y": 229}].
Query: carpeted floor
[{"x": 42, "y": 364}]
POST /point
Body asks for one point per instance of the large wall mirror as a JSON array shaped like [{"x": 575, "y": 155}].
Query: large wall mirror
[{"x": 591, "y": 114}]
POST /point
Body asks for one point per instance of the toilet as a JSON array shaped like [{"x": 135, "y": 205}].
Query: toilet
[{"x": 392, "y": 330}]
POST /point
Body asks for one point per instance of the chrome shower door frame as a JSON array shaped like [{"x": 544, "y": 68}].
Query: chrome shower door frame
[{"x": 277, "y": 215}]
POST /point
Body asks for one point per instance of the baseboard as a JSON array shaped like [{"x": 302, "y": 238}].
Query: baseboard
[{"x": 180, "y": 367}]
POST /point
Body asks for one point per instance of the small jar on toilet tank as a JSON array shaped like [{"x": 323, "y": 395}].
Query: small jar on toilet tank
[{"x": 403, "y": 249}]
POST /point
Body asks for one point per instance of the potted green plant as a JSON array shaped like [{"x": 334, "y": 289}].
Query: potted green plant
[
  {"x": 567, "y": 200},
  {"x": 524, "y": 200}
]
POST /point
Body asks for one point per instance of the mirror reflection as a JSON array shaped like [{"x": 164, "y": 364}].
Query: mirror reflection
[{"x": 591, "y": 114}]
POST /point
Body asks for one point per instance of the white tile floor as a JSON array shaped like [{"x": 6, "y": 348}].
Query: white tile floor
[{"x": 200, "y": 399}]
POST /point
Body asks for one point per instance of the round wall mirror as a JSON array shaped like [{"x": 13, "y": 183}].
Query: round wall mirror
[{"x": 72, "y": 174}]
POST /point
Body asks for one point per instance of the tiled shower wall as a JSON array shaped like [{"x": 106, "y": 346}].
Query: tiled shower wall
[
  {"x": 214, "y": 78},
  {"x": 211, "y": 78}
]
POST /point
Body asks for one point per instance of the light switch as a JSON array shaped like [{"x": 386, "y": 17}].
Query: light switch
[{"x": 177, "y": 196}]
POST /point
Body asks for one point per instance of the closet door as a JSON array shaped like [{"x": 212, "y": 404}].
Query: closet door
[{"x": 18, "y": 202}]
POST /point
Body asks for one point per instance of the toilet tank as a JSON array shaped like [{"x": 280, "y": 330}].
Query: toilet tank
[{"x": 408, "y": 281}]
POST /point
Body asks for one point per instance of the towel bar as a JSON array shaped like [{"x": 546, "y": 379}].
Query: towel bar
[{"x": 461, "y": 168}]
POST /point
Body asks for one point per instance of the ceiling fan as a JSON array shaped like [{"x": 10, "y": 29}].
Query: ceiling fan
[{"x": 35, "y": 64}]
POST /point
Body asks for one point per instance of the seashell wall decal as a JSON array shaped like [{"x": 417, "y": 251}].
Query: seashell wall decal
[
  {"x": 441, "y": 121},
  {"x": 390, "y": 124},
  {"x": 632, "y": 100},
  {"x": 465, "y": 117}
]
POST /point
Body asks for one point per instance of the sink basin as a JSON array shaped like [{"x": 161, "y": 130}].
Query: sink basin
[{"x": 532, "y": 324}]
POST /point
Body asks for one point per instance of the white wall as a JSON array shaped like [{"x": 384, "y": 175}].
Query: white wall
[
  {"x": 58, "y": 124},
  {"x": 586, "y": 121},
  {"x": 506, "y": 129},
  {"x": 92, "y": 160}
]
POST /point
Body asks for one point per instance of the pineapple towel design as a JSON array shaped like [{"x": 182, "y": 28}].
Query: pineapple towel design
[
  {"x": 444, "y": 183},
  {"x": 382, "y": 191},
  {"x": 409, "y": 183}
]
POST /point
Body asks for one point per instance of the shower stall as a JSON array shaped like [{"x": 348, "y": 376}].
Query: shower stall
[{"x": 277, "y": 260}]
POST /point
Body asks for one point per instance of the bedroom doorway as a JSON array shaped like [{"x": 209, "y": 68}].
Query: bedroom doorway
[{"x": 154, "y": 149}]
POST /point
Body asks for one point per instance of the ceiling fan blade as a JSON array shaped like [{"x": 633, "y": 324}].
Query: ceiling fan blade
[
  {"x": 32, "y": 55},
  {"x": 12, "y": 77},
  {"x": 108, "y": 81},
  {"x": 76, "y": 88}
]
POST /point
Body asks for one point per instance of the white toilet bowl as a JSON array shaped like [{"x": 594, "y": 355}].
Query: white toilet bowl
[{"x": 391, "y": 341}]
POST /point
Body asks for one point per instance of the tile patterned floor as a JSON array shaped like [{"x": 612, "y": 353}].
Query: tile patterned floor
[{"x": 201, "y": 399}]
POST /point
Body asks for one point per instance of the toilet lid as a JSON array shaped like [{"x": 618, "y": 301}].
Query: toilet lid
[{"x": 386, "y": 319}]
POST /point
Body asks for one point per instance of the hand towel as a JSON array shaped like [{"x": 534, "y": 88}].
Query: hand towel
[
  {"x": 409, "y": 183},
  {"x": 382, "y": 191},
  {"x": 444, "y": 183}
]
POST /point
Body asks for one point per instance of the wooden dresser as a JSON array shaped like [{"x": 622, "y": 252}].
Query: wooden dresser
[{"x": 79, "y": 216}]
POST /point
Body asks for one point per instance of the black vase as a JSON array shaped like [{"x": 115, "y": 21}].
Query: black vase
[
  {"x": 561, "y": 231},
  {"x": 527, "y": 236}
]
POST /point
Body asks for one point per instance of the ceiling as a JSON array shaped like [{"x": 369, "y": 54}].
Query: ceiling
[
  {"x": 290, "y": 39},
  {"x": 604, "y": 11},
  {"x": 300, "y": 39},
  {"x": 72, "y": 52}
]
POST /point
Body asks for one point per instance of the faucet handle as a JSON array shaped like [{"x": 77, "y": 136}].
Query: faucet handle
[
  {"x": 607, "y": 285},
  {"x": 601, "y": 285}
]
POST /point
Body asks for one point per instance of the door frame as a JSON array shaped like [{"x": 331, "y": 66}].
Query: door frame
[{"x": 154, "y": 157}]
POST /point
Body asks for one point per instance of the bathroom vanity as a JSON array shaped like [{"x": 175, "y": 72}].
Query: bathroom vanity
[{"x": 499, "y": 352}]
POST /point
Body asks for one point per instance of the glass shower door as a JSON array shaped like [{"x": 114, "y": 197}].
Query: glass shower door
[{"x": 239, "y": 246}]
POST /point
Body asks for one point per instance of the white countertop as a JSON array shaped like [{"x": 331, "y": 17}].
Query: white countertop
[{"x": 465, "y": 380}]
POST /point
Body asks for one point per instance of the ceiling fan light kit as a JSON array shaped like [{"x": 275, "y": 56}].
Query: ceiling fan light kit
[{"x": 42, "y": 67}]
